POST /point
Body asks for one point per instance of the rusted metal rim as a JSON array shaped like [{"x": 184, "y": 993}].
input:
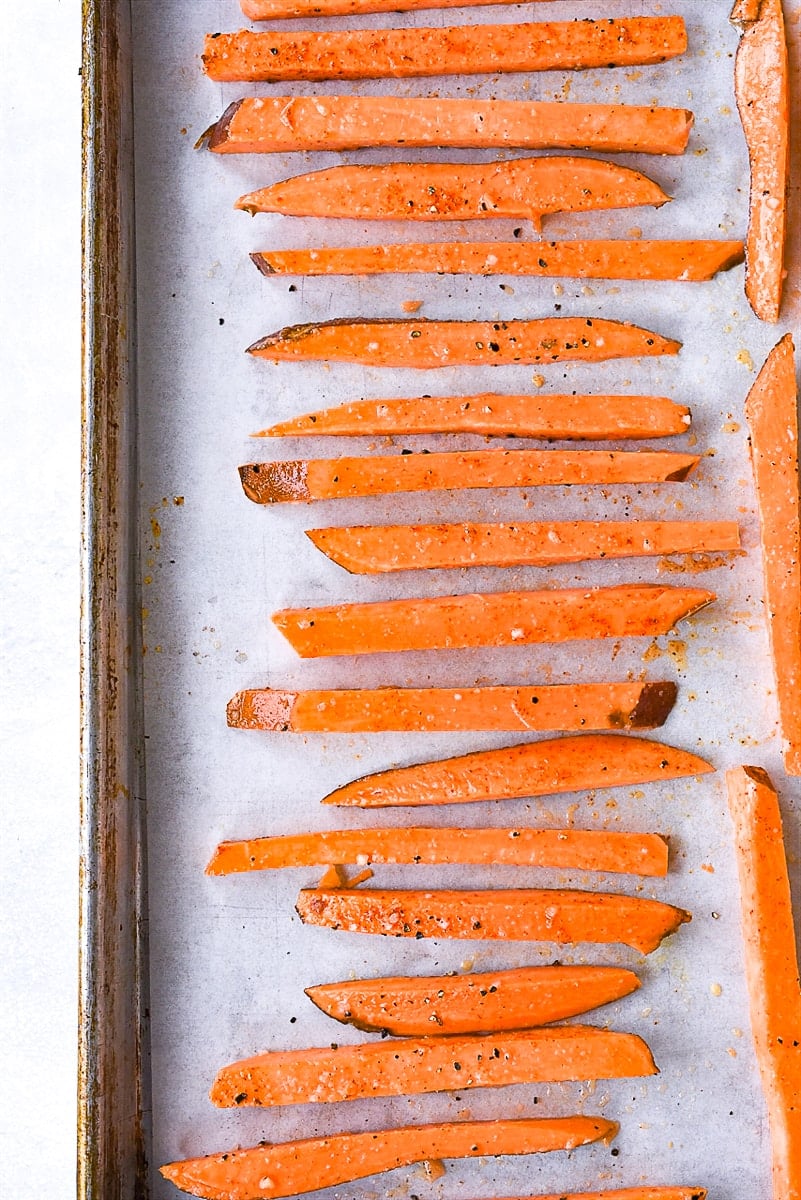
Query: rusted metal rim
[{"x": 113, "y": 1076}]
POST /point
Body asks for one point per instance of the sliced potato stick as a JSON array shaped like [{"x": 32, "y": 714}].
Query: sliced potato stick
[
  {"x": 688, "y": 261},
  {"x": 543, "y": 768},
  {"x": 568, "y": 707},
  {"x": 580, "y": 849},
  {"x": 277, "y": 124},
  {"x": 568, "y": 417},
  {"x": 377, "y": 549},
  {"x": 524, "y": 188}
]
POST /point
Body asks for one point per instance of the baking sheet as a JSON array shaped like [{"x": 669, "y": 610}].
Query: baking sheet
[{"x": 229, "y": 958}]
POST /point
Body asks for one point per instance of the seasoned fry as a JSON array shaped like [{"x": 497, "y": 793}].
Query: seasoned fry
[
  {"x": 425, "y": 344},
  {"x": 313, "y": 55},
  {"x": 761, "y": 80},
  {"x": 524, "y": 188},
  {"x": 272, "y": 1171},
  {"x": 771, "y": 965},
  {"x": 544, "y": 768},
  {"x": 689, "y": 262},
  {"x": 278, "y": 124},
  {"x": 338, "y": 478},
  {"x": 488, "y": 619},
  {"x": 535, "y": 915},
  {"x": 415, "y": 1066},
  {"x": 567, "y": 707},
  {"x": 274, "y": 10},
  {"x": 377, "y": 549},
  {"x": 635, "y": 1193},
  {"x": 480, "y": 1002},
  {"x": 579, "y": 849},
  {"x": 567, "y": 417},
  {"x": 771, "y": 413}
]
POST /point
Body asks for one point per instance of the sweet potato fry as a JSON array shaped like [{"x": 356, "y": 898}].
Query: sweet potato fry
[
  {"x": 562, "y": 707},
  {"x": 689, "y": 262},
  {"x": 278, "y": 124},
  {"x": 771, "y": 413},
  {"x": 761, "y": 80},
  {"x": 488, "y": 619},
  {"x": 567, "y": 417},
  {"x": 312, "y": 55},
  {"x": 377, "y": 549},
  {"x": 425, "y": 344},
  {"x": 483, "y": 1002},
  {"x": 524, "y": 188},
  {"x": 581, "y": 849},
  {"x": 771, "y": 965},
  {"x": 635, "y": 1193},
  {"x": 442, "y": 1064},
  {"x": 380, "y": 475},
  {"x": 272, "y": 1171},
  {"x": 535, "y": 915},
  {"x": 274, "y": 10},
  {"x": 545, "y": 768}
]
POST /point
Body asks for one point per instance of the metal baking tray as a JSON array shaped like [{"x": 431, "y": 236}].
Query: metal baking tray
[{"x": 180, "y": 973}]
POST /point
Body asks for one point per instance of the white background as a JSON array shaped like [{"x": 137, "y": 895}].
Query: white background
[{"x": 39, "y": 593}]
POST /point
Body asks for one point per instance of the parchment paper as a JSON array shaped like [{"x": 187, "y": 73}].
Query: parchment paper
[{"x": 229, "y": 957}]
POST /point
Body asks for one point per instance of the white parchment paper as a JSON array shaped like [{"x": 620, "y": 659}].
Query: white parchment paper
[{"x": 229, "y": 957}]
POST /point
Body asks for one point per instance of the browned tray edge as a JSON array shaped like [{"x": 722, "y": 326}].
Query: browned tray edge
[{"x": 112, "y": 1070}]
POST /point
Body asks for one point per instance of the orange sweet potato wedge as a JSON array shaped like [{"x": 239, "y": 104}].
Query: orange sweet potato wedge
[
  {"x": 277, "y": 124},
  {"x": 761, "y": 81},
  {"x": 488, "y": 619},
  {"x": 555, "y": 707},
  {"x": 581, "y": 849},
  {"x": 312, "y": 55},
  {"x": 522, "y": 188},
  {"x": 771, "y": 965},
  {"x": 635, "y": 1193},
  {"x": 274, "y": 10},
  {"x": 378, "y": 549},
  {"x": 490, "y": 1001},
  {"x": 426, "y": 344},
  {"x": 544, "y": 768},
  {"x": 562, "y": 916},
  {"x": 339, "y": 478},
  {"x": 771, "y": 413},
  {"x": 688, "y": 261},
  {"x": 271, "y": 1171},
  {"x": 417, "y": 1065},
  {"x": 566, "y": 417}
]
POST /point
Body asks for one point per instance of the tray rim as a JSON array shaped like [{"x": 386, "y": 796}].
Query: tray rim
[{"x": 113, "y": 1082}]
